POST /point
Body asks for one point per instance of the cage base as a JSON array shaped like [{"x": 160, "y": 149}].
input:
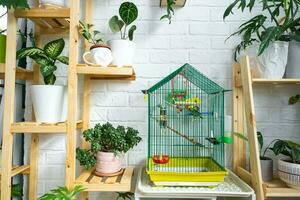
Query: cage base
[{"x": 193, "y": 184}]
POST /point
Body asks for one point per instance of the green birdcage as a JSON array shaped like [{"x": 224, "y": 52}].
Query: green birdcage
[{"x": 186, "y": 128}]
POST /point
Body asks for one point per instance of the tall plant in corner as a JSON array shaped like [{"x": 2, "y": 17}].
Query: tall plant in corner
[
  {"x": 124, "y": 49},
  {"x": 47, "y": 58}
]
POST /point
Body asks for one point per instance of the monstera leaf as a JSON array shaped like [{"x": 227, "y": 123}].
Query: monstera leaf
[
  {"x": 54, "y": 48},
  {"x": 128, "y": 12}
]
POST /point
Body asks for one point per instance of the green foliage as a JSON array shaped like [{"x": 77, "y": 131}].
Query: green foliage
[
  {"x": 106, "y": 138},
  {"x": 125, "y": 196},
  {"x": 62, "y": 193},
  {"x": 14, "y": 4},
  {"x": 170, "y": 11},
  {"x": 259, "y": 29},
  {"x": 16, "y": 191},
  {"x": 128, "y": 13},
  {"x": 294, "y": 99},
  {"x": 93, "y": 37},
  {"x": 260, "y": 142},
  {"x": 46, "y": 58},
  {"x": 287, "y": 148}
]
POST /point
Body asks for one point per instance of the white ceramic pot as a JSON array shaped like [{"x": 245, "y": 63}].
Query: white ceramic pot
[
  {"x": 100, "y": 55},
  {"x": 107, "y": 163},
  {"x": 52, "y": 2},
  {"x": 292, "y": 67},
  {"x": 123, "y": 52},
  {"x": 289, "y": 173},
  {"x": 49, "y": 103},
  {"x": 271, "y": 63},
  {"x": 266, "y": 168}
]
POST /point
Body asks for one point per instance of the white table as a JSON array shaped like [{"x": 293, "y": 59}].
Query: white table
[{"x": 232, "y": 188}]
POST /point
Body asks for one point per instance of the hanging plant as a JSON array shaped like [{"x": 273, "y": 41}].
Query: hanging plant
[{"x": 170, "y": 11}]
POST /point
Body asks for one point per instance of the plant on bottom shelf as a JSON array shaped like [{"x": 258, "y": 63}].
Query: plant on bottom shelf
[
  {"x": 170, "y": 11},
  {"x": 62, "y": 193},
  {"x": 106, "y": 142},
  {"x": 125, "y": 196},
  {"x": 294, "y": 99},
  {"x": 123, "y": 49}
]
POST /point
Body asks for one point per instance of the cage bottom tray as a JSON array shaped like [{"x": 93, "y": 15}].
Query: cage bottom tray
[{"x": 202, "y": 171}]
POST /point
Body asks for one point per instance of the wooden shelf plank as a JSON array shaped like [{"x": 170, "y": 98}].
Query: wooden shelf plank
[
  {"x": 24, "y": 169},
  {"x": 180, "y": 3},
  {"x": 21, "y": 73},
  {"x": 36, "y": 127},
  {"x": 111, "y": 72},
  {"x": 93, "y": 183},
  {"x": 275, "y": 81},
  {"x": 277, "y": 188}
]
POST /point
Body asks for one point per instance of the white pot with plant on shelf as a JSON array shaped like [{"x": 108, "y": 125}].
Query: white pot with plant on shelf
[
  {"x": 49, "y": 100},
  {"x": 123, "y": 49},
  {"x": 292, "y": 67},
  {"x": 288, "y": 168}
]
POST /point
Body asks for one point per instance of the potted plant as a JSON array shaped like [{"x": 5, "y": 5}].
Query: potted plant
[
  {"x": 100, "y": 54},
  {"x": 62, "y": 193},
  {"x": 43, "y": 94},
  {"x": 288, "y": 168},
  {"x": 123, "y": 49},
  {"x": 53, "y": 3},
  {"x": 106, "y": 143},
  {"x": 8, "y": 5},
  {"x": 267, "y": 43},
  {"x": 170, "y": 11}
]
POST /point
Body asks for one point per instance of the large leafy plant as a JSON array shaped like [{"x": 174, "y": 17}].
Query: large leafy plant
[
  {"x": 287, "y": 148},
  {"x": 265, "y": 29},
  {"x": 93, "y": 37},
  {"x": 128, "y": 13},
  {"x": 46, "y": 58},
  {"x": 62, "y": 193},
  {"x": 106, "y": 138}
]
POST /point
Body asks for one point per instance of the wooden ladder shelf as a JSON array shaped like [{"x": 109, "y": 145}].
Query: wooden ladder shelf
[
  {"x": 54, "y": 21},
  {"x": 243, "y": 111}
]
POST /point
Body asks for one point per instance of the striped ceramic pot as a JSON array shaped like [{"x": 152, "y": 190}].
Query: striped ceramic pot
[
  {"x": 289, "y": 173},
  {"x": 107, "y": 163}
]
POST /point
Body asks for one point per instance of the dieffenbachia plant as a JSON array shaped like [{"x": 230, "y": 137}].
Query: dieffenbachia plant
[
  {"x": 128, "y": 13},
  {"x": 46, "y": 58}
]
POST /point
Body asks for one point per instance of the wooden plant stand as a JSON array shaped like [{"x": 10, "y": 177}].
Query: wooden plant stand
[
  {"x": 244, "y": 120},
  {"x": 55, "y": 21}
]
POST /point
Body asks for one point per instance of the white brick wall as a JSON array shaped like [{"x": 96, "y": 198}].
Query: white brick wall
[{"x": 196, "y": 36}]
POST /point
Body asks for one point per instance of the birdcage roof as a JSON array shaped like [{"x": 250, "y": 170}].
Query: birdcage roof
[{"x": 194, "y": 76}]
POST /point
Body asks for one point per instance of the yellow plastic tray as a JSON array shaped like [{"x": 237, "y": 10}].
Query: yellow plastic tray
[{"x": 174, "y": 170}]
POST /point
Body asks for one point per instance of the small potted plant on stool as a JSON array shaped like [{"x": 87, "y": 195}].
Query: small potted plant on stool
[{"x": 106, "y": 143}]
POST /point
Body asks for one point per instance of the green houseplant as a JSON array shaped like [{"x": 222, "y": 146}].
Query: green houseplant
[
  {"x": 294, "y": 99},
  {"x": 268, "y": 41},
  {"x": 8, "y": 5},
  {"x": 47, "y": 58},
  {"x": 106, "y": 142},
  {"x": 100, "y": 54},
  {"x": 288, "y": 169},
  {"x": 124, "y": 49},
  {"x": 62, "y": 193},
  {"x": 170, "y": 11}
]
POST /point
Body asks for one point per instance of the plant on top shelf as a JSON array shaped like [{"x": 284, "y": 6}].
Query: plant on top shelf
[
  {"x": 124, "y": 49},
  {"x": 47, "y": 58},
  {"x": 106, "y": 142},
  {"x": 100, "y": 54},
  {"x": 170, "y": 11},
  {"x": 63, "y": 193},
  {"x": 265, "y": 32}
]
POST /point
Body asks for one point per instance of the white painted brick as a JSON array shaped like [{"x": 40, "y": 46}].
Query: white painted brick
[
  {"x": 51, "y": 172},
  {"x": 109, "y": 99},
  {"x": 208, "y": 28},
  {"x": 168, "y": 56},
  {"x": 175, "y": 28},
  {"x": 129, "y": 114},
  {"x": 98, "y": 114},
  {"x": 203, "y": 3},
  {"x": 190, "y": 42},
  {"x": 55, "y": 158},
  {"x": 137, "y": 100}
]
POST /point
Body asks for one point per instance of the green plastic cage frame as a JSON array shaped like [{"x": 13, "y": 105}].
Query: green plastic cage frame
[{"x": 186, "y": 127}]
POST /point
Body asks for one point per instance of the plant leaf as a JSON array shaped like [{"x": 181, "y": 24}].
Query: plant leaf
[
  {"x": 131, "y": 31},
  {"x": 128, "y": 12},
  {"x": 54, "y": 48},
  {"x": 30, "y": 51},
  {"x": 50, "y": 80},
  {"x": 268, "y": 36},
  {"x": 63, "y": 59},
  {"x": 115, "y": 24},
  {"x": 41, "y": 60},
  {"x": 229, "y": 9},
  {"x": 47, "y": 70},
  {"x": 260, "y": 140}
]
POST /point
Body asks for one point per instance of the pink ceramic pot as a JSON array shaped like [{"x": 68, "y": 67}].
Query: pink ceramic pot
[{"x": 107, "y": 163}]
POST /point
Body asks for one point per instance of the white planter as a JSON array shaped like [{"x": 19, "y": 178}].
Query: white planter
[
  {"x": 293, "y": 67},
  {"x": 289, "y": 173},
  {"x": 49, "y": 103},
  {"x": 272, "y": 62},
  {"x": 53, "y": 2},
  {"x": 123, "y": 52},
  {"x": 266, "y": 169},
  {"x": 100, "y": 55}
]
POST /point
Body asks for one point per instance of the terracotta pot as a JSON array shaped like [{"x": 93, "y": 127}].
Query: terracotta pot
[{"x": 107, "y": 163}]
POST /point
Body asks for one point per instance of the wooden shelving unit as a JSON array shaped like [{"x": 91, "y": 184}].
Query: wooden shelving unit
[
  {"x": 55, "y": 21},
  {"x": 243, "y": 108}
]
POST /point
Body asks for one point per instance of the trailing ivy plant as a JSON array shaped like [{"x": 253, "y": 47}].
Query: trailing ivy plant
[
  {"x": 62, "y": 193},
  {"x": 259, "y": 29},
  {"x": 170, "y": 11},
  {"x": 125, "y": 196},
  {"x": 46, "y": 58},
  {"x": 93, "y": 37},
  {"x": 294, "y": 99},
  {"x": 128, "y": 13},
  {"x": 106, "y": 138},
  {"x": 287, "y": 148}
]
